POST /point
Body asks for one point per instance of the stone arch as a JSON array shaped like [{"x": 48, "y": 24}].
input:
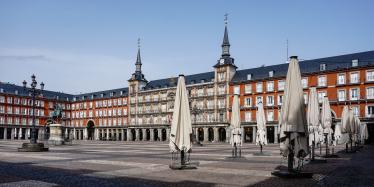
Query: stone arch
[
  {"x": 148, "y": 134},
  {"x": 163, "y": 135},
  {"x": 141, "y": 135},
  {"x": 155, "y": 135},
  {"x": 222, "y": 134},
  {"x": 133, "y": 135},
  {"x": 210, "y": 134},
  {"x": 200, "y": 134},
  {"x": 90, "y": 129}
]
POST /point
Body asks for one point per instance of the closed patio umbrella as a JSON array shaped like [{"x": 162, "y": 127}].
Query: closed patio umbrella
[
  {"x": 326, "y": 121},
  {"x": 294, "y": 130},
  {"x": 313, "y": 119},
  {"x": 236, "y": 132},
  {"x": 261, "y": 126},
  {"x": 181, "y": 128},
  {"x": 364, "y": 134}
]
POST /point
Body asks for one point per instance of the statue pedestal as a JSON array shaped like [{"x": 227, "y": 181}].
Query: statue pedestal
[{"x": 55, "y": 137}]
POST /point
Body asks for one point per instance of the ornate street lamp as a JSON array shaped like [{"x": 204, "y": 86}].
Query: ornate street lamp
[
  {"x": 195, "y": 111},
  {"x": 33, "y": 146}
]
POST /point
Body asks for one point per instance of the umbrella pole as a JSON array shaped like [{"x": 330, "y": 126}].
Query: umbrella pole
[
  {"x": 261, "y": 147},
  {"x": 290, "y": 156},
  {"x": 235, "y": 150},
  {"x": 313, "y": 145},
  {"x": 182, "y": 158},
  {"x": 327, "y": 146}
]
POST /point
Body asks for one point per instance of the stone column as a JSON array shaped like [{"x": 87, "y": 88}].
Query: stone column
[
  {"x": 215, "y": 130},
  {"x": 5, "y": 133},
  {"x": 243, "y": 134},
  {"x": 107, "y": 134},
  {"x": 74, "y": 134},
  {"x": 254, "y": 129},
  {"x": 275, "y": 134},
  {"x": 159, "y": 131},
  {"x": 66, "y": 133},
  {"x": 228, "y": 134},
  {"x": 144, "y": 132},
  {"x": 123, "y": 134},
  {"x": 19, "y": 133},
  {"x": 206, "y": 137},
  {"x": 167, "y": 134},
  {"x": 85, "y": 134},
  {"x": 96, "y": 134},
  {"x": 137, "y": 135},
  {"x": 152, "y": 137},
  {"x": 128, "y": 135},
  {"x": 117, "y": 132},
  {"x": 196, "y": 133},
  {"x": 12, "y": 134}
]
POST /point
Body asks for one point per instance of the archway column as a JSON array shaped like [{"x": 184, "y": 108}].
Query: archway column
[
  {"x": 159, "y": 132},
  {"x": 228, "y": 134},
  {"x": 152, "y": 135},
  {"x": 167, "y": 134},
  {"x": 74, "y": 134},
  {"x": 107, "y": 134},
  {"x": 85, "y": 134},
  {"x": 19, "y": 133},
  {"x": 144, "y": 132},
  {"x": 5, "y": 133},
  {"x": 128, "y": 132},
  {"x": 206, "y": 134},
  {"x": 96, "y": 134},
  {"x": 137, "y": 135},
  {"x": 276, "y": 134},
  {"x": 254, "y": 133},
  {"x": 243, "y": 134},
  {"x": 12, "y": 134},
  {"x": 215, "y": 134},
  {"x": 123, "y": 134}
]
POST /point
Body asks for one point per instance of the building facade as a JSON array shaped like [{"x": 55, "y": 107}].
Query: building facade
[{"x": 143, "y": 110}]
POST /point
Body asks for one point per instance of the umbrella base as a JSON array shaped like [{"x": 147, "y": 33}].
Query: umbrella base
[
  {"x": 33, "y": 147},
  {"x": 292, "y": 174},
  {"x": 179, "y": 166},
  {"x": 262, "y": 154}
]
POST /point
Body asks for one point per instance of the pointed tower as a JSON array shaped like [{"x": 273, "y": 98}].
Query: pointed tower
[
  {"x": 137, "y": 81},
  {"x": 225, "y": 57}
]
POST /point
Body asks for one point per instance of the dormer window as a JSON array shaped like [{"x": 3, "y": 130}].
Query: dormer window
[
  {"x": 101, "y": 95},
  {"x": 74, "y": 99},
  {"x": 322, "y": 67},
  {"x": 57, "y": 97},
  {"x": 67, "y": 99},
  {"x": 121, "y": 92},
  {"x": 271, "y": 73},
  {"x": 249, "y": 76},
  {"x": 111, "y": 94},
  {"x": 16, "y": 92},
  {"x": 92, "y": 96},
  {"x": 192, "y": 82},
  {"x": 202, "y": 80},
  {"x": 2, "y": 90},
  {"x": 355, "y": 63}
]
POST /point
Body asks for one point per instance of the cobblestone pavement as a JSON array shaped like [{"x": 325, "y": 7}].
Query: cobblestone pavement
[{"x": 90, "y": 163}]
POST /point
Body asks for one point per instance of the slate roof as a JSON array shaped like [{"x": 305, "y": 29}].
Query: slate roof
[
  {"x": 11, "y": 89},
  {"x": 307, "y": 66},
  {"x": 172, "y": 82}
]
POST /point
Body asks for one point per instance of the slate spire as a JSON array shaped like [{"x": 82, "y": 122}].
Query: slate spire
[
  {"x": 226, "y": 43},
  {"x": 138, "y": 63}
]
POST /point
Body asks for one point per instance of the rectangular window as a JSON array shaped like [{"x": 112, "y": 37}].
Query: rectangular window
[
  {"x": 270, "y": 100},
  {"x": 9, "y": 100},
  {"x": 304, "y": 82},
  {"x": 280, "y": 99},
  {"x": 370, "y": 111},
  {"x": 321, "y": 95},
  {"x": 270, "y": 86},
  {"x": 354, "y": 78},
  {"x": 370, "y": 75},
  {"x": 281, "y": 84},
  {"x": 237, "y": 90},
  {"x": 248, "y": 88},
  {"x": 355, "y": 94},
  {"x": 370, "y": 93},
  {"x": 341, "y": 95},
  {"x": 259, "y": 87},
  {"x": 322, "y": 81},
  {"x": 341, "y": 78},
  {"x": 249, "y": 76},
  {"x": 247, "y": 102},
  {"x": 258, "y": 100},
  {"x": 2, "y": 99}
]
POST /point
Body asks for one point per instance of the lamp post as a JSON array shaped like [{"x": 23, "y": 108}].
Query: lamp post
[
  {"x": 33, "y": 146},
  {"x": 195, "y": 111}
]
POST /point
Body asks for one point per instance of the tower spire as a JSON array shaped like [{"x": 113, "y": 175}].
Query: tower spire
[
  {"x": 226, "y": 43},
  {"x": 138, "y": 63}
]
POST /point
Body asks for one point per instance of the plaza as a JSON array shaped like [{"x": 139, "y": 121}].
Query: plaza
[{"x": 98, "y": 163}]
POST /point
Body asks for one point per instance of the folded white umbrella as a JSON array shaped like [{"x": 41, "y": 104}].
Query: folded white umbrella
[
  {"x": 313, "y": 116},
  {"x": 293, "y": 113},
  {"x": 181, "y": 127},
  {"x": 357, "y": 124},
  {"x": 364, "y": 134},
  {"x": 337, "y": 134},
  {"x": 261, "y": 126},
  {"x": 346, "y": 126},
  {"x": 326, "y": 119},
  {"x": 236, "y": 132}
]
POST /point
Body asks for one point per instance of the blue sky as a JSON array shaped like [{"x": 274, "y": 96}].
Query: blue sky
[{"x": 86, "y": 45}]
